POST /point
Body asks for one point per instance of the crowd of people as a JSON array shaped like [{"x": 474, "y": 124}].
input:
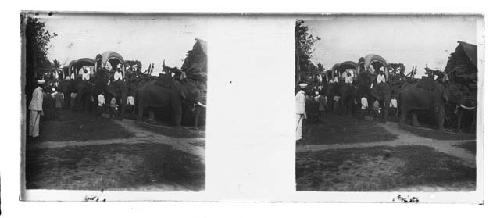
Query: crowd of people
[
  {"x": 321, "y": 94},
  {"x": 57, "y": 90}
]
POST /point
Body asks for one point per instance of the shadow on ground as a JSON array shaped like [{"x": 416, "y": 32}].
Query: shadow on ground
[
  {"x": 75, "y": 126},
  {"x": 116, "y": 167},
  {"x": 382, "y": 168},
  {"x": 343, "y": 130}
]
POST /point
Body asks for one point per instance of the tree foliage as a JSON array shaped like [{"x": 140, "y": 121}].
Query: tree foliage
[
  {"x": 304, "y": 47},
  {"x": 36, "y": 41},
  {"x": 56, "y": 64},
  {"x": 195, "y": 63}
]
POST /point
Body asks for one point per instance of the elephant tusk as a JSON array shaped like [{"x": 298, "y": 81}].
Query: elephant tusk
[{"x": 467, "y": 108}]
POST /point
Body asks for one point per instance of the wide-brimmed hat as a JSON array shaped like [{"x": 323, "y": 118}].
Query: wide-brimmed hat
[
  {"x": 40, "y": 81},
  {"x": 303, "y": 85}
]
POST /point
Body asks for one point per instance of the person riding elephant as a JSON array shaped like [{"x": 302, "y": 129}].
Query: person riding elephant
[
  {"x": 151, "y": 95},
  {"x": 427, "y": 95}
]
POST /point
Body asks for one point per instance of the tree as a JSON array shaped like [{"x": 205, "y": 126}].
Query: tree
[
  {"x": 36, "y": 40},
  {"x": 56, "y": 64},
  {"x": 320, "y": 67},
  {"x": 195, "y": 63},
  {"x": 304, "y": 47}
]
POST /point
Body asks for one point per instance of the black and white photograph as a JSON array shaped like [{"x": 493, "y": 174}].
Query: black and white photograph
[
  {"x": 387, "y": 103},
  {"x": 113, "y": 102}
]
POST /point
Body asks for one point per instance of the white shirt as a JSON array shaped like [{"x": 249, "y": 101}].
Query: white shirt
[
  {"x": 348, "y": 80},
  {"x": 86, "y": 76},
  {"x": 37, "y": 100},
  {"x": 130, "y": 100},
  {"x": 300, "y": 102},
  {"x": 380, "y": 78},
  {"x": 364, "y": 103},
  {"x": 100, "y": 100},
  {"x": 394, "y": 103},
  {"x": 118, "y": 76},
  {"x": 108, "y": 66}
]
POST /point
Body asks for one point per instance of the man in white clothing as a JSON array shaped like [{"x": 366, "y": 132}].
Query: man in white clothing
[
  {"x": 85, "y": 75},
  {"x": 381, "y": 78},
  {"x": 36, "y": 110},
  {"x": 300, "y": 110},
  {"x": 118, "y": 75},
  {"x": 349, "y": 76}
]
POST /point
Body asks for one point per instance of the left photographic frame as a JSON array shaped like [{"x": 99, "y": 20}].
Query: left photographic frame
[{"x": 112, "y": 102}]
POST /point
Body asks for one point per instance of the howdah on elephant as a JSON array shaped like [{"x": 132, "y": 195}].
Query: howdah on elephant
[{"x": 425, "y": 95}]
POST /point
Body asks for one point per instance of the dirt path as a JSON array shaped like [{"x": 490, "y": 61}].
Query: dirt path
[
  {"x": 140, "y": 136},
  {"x": 404, "y": 138}
]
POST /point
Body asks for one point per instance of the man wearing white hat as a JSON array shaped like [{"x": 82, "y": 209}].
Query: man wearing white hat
[
  {"x": 300, "y": 110},
  {"x": 36, "y": 110}
]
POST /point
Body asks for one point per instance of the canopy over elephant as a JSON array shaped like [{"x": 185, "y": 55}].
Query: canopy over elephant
[{"x": 425, "y": 95}]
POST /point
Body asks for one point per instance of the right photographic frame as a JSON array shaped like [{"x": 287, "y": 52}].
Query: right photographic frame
[{"x": 389, "y": 103}]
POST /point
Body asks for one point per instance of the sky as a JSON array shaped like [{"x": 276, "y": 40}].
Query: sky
[
  {"x": 411, "y": 40},
  {"x": 147, "y": 39}
]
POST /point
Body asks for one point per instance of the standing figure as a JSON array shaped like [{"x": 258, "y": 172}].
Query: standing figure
[
  {"x": 36, "y": 110},
  {"x": 59, "y": 102},
  {"x": 300, "y": 110}
]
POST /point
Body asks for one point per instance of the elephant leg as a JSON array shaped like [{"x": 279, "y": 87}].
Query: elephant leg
[
  {"x": 459, "y": 120},
  {"x": 196, "y": 117},
  {"x": 440, "y": 118},
  {"x": 140, "y": 112},
  {"x": 151, "y": 115},
  {"x": 414, "y": 119},
  {"x": 177, "y": 111},
  {"x": 123, "y": 106},
  {"x": 473, "y": 123},
  {"x": 402, "y": 118},
  {"x": 386, "y": 110}
]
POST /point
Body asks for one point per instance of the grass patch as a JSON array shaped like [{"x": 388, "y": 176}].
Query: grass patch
[
  {"x": 80, "y": 126},
  {"x": 113, "y": 167},
  {"x": 340, "y": 129},
  {"x": 381, "y": 168}
]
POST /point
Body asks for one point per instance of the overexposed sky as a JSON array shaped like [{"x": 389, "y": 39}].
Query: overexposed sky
[
  {"x": 411, "y": 40},
  {"x": 149, "y": 39}
]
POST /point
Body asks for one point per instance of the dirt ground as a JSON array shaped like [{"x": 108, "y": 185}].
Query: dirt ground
[
  {"x": 106, "y": 154},
  {"x": 400, "y": 158}
]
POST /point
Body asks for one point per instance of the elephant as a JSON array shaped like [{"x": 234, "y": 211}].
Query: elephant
[
  {"x": 462, "y": 100},
  {"x": 84, "y": 91},
  {"x": 120, "y": 91},
  {"x": 333, "y": 89},
  {"x": 382, "y": 93},
  {"x": 65, "y": 87},
  {"x": 427, "y": 95},
  {"x": 193, "y": 94},
  {"x": 153, "y": 95},
  {"x": 347, "y": 98}
]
